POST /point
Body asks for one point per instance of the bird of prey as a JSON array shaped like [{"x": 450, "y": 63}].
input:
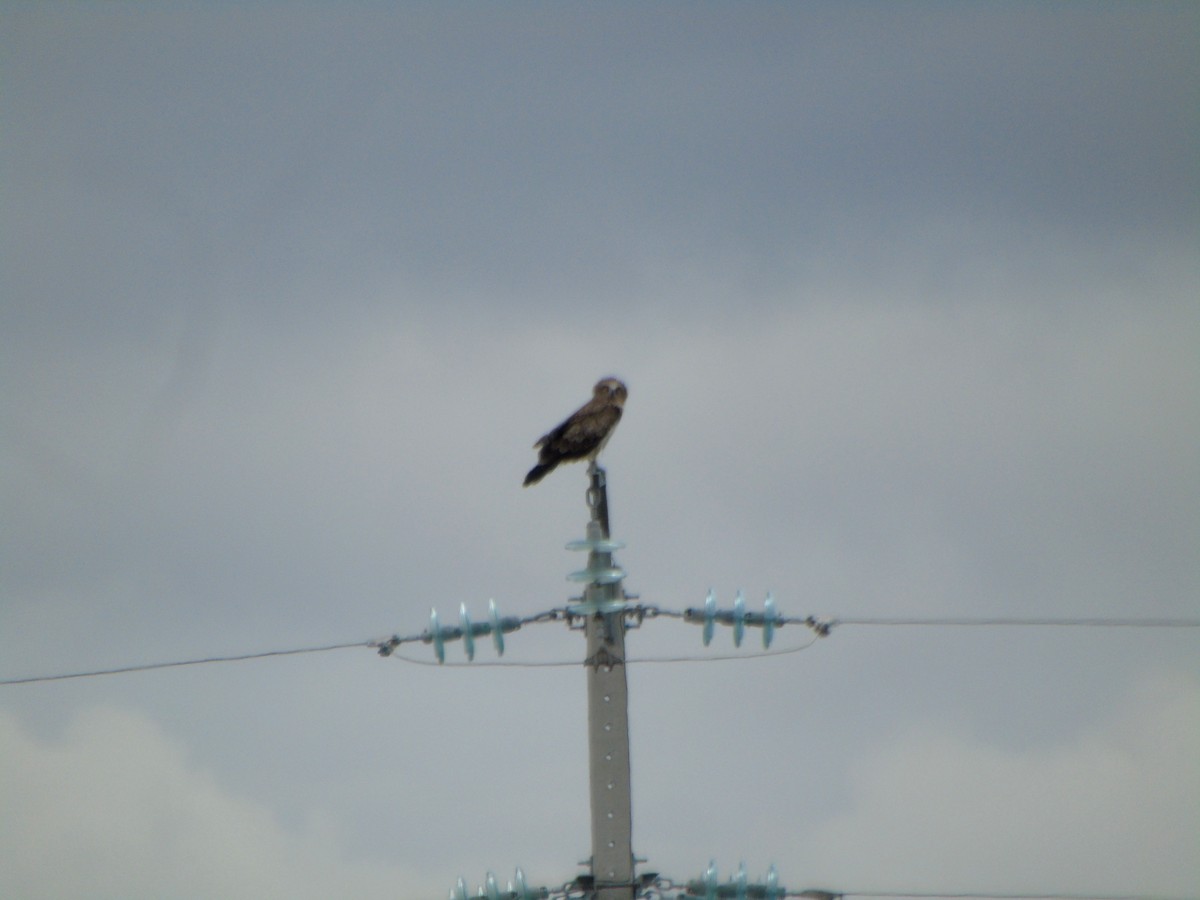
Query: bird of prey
[{"x": 584, "y": 433}]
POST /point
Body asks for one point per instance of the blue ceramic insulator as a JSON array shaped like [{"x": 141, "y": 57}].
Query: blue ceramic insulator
[
  {"x": 603, "y": 545},
  {"x": 770, "y": 619},
  {"x": 468, "y": 636},
  {"x": 594, "y": 606},
  {"x": 497, "y": 630},
  {"x": 774, "y": 891},
  {"x": 439, "y": 643},
  {"x": 740, "y": 883},
  {"x": 607, "y": 575},
  {"x": 710, "y": 878},
  {"x": 518, "y": 886},
  {"x": 739, "y": 619},
  {"x": 493, "y": 889},
  {"x": 460, "y": 890},
  {"x": 710, "y": 612}
]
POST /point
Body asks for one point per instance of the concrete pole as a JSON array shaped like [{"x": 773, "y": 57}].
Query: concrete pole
[{"x": 608, "y": 718}]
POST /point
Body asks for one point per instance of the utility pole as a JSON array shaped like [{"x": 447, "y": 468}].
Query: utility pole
[
  {"x": 605, "y": 613},
  {"x": 603, "y": 609}
]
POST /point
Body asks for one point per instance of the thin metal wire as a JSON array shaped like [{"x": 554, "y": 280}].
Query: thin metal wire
[
  {"x": 146, "y": 667},
  {"x": 820, "y": 626},
  {"x": 981, "y": 895},
  {"x": 828, "y": 623},
  {"x": 1013, "y": 622},
  {"x": 665, "y": 887},
  {"x": 633, "y": 660}
]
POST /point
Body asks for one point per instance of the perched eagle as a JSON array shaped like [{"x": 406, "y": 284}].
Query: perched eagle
[{"x": 584, "y": 434}]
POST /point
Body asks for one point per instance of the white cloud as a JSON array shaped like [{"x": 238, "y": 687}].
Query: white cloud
[
  {"x": 115, "y": 809},
  {"x": 1115, "y": 810}
]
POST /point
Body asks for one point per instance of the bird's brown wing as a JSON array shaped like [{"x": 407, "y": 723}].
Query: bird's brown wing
[{"x": 580, "y": 434}]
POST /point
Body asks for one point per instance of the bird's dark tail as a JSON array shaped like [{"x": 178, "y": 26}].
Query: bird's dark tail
[{"x": 538, "y": 472}]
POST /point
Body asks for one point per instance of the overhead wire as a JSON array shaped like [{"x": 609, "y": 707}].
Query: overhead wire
[
  {"x": 955, "y": 622},
  {"x": 669, "y": 888},
  {"x": 821, "y": 627},
  {"x": 980, "y": 895},
  {"x": 576, "y": 663},
  {"x": 146, "y": 667}
]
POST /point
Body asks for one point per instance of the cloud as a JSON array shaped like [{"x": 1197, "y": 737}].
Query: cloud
[
  {"x": 116, "y": 809},
  {"x": 1113, "y": 810}
]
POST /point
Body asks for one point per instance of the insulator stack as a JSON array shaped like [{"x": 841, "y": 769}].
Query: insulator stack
[
  {"x": 466, "y": 631},
  {"x": 738, "y": 887},
  {"x": 738, "y": 617},
  {"x": 517, "y": 889},
  {"x": 601, "y": 572}
]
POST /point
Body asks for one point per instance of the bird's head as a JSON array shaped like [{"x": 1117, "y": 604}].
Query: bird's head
[{"x": 610, "y": 389}]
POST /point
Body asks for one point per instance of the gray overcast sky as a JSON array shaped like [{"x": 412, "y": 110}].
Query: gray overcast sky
[{"x": 906, "y": 297}]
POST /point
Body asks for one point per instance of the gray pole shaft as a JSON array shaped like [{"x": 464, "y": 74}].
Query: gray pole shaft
[
  {"x": 608, "y": 751},
  {"x": 608, "y": 726}
]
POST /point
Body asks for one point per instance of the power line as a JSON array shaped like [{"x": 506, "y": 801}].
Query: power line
[
  {"x": 576, "y": 663},
  {"x": 955, "y": 622},
  {"x": 973, "y": 895},
  {"x": 669, "y": 889},
  {"x": 666, "y": 887},
  {"x": 146, "y": 667},
  {"x": 820, "y": 626}
]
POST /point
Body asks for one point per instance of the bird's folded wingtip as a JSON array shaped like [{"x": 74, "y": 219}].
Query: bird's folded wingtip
[{"x": 536, "y": 474}]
